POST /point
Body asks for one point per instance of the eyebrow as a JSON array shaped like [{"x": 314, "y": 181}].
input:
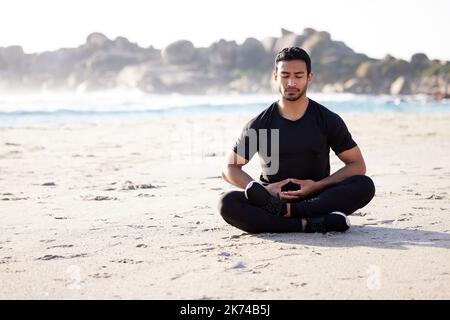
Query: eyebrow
[{"x": 299, "y": 72}]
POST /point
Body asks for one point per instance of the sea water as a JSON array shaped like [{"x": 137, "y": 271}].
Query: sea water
[{"x": 25, "y": 109}]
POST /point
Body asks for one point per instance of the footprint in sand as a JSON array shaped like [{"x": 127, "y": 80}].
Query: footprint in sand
[
  {"x": 145, "y": 195},
  {"x": 436, "y": 197},
  {"x": 56, "y": 257},
  {"x": 202, "y": 207},
  {"x": 298, "y": 284},
  {"x": 129, "y": 185},
  {"x": 224, "y": 254},
  {"x": 97, "y": 198},
  {"x": 103, "y": 275},
  {"x": 61, "y": 246},
  {"x": 6, "y": 260},
  {"x": 135, "y": 226},
  {"x": 48, "y": 184},
  {"x": 386, "y": 221},
  {"x": 50, "y": 257},
  {"x": 127, "y": 261},
  {"x": 47, "y": 240},
  {"x": 265, "y": 289},
  {"x": 14, "y": 198},
  {"x": 239, "y": 265}
]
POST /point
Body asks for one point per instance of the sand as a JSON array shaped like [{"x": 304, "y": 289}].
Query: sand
[{"x": 128, "y": 210}]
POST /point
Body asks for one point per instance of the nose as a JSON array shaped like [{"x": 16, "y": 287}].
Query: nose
[{"x": 291, "y": 82}]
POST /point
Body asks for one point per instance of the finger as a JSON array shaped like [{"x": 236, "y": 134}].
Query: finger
[
  {"x": 284, "y": 197},
  {"x": 291, "y": 193},
  {"x": 297, "y": 181}
]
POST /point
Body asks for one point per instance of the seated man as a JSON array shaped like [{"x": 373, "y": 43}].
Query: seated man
[{"x": 296, "y": 192}]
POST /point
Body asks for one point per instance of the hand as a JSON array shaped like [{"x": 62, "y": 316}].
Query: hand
[
  {"x": 275, "y": 188},
  {"x": 307, "y": 188}
]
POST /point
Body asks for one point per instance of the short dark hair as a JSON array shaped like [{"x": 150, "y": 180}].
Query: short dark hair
[{"x": 294, "y": 53}]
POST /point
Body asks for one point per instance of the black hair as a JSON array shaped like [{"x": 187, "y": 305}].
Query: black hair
[{"x": 294, "y": 53}]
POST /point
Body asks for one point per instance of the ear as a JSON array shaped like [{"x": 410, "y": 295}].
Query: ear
[
  {"x": 275, "y": 74},
  {"x": 310, "y": 77}
]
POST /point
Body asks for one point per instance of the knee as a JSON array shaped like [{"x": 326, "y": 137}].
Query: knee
[
  {"x": 366, "y": 185},
  {"x": 227, "y": 202}
]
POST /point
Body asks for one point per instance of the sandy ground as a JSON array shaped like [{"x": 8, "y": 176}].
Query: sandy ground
[{"x": 128, "y": 209}]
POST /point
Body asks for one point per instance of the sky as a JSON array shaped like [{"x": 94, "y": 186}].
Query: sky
[{"x": 376, "y": 28}]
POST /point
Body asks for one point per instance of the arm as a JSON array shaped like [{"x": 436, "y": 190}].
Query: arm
[
  {"x": 232, "y": 171},
  {"x": 354, "y": 165}
]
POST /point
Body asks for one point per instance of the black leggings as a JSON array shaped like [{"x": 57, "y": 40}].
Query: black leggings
[{"x": 347, "y": 196}]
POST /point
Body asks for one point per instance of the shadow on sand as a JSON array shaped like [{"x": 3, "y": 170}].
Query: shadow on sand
[{"x": 364, "y": 236}]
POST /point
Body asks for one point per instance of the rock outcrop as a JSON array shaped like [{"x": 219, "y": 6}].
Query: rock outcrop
[{"x": 101, "y": 63}]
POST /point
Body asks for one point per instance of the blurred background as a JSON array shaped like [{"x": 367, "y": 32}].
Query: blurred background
[{"x": 77, "y": 59}]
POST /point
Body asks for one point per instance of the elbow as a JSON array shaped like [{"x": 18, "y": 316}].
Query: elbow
[
  {"x": 224, "y": 173},
  {"x": 357, "y": 168},
  {"x": 224, "y": 176},
  {"x": 362, "y": 168}
]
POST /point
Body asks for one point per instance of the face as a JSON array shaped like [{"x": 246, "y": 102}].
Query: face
[{"x": 292, "y": 79}]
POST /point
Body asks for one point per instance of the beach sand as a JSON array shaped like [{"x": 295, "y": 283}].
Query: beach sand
[{"x": 128, "y": 210}]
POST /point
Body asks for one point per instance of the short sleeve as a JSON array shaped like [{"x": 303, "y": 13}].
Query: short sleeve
[
  {"x": 247, "y": 144},
  {"x": 339, "y": 138}
]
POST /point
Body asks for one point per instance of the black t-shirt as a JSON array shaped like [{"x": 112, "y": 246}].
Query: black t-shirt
[{"x": 303, "y": 144}]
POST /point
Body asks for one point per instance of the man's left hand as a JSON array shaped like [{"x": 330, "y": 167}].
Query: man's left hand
[{"x": 307, "y": 188}]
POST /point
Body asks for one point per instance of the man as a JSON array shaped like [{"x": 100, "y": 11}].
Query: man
[{"x": 296, "y": 192}]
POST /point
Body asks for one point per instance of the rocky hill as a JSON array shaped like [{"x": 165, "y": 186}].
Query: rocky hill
[{"x": 224, "y": 66}]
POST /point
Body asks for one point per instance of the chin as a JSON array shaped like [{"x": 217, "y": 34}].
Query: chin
[{"x": 292, "y": 98}]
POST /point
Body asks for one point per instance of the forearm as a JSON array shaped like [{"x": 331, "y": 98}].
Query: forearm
[
  {"x": 236, "y": 176},
  {"x": 350, "y": 169}
]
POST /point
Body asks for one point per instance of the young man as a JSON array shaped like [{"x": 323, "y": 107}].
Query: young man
[{"x": 296, "y": 192}]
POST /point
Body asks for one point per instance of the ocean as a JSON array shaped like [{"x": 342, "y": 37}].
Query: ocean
[{"x": 28, "y": 109}]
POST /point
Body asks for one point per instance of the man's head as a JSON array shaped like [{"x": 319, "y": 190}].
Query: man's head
[{"x": 292, "y": 72}]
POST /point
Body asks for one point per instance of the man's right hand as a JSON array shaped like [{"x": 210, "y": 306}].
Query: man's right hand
[{"x": 275, "y": 190}]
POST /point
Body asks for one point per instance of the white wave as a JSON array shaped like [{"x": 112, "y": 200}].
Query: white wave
[
  {"x": 128, "y": 100},
  {"x": 120, "y": 100}
]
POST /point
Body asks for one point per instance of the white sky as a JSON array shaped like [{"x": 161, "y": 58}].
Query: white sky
[{"x": 376, "y": 28}]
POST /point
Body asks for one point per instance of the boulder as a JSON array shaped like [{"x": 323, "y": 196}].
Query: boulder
[
  {"x": 419, "y": 59},
  {"x": 11, "y": 56},
  {"x": 269, "y": 43},
  {"x": 96, "y": 40},
  {"x": 290, "y": 40},
  {"x": 323, "y": 35},
  {"x": 367, "y": 70},
  {"x": 131, "y": 76},
  {"x": 356, "y": 85},
  {"x": 223, "y": 54},
  {"x": 307, "y": 32},
  {"x": 285, "y": 32},
  {"x": 178, "y": 52},
  {"x": 123, "y": 44},
  {"x": 316, "y": 45},
  {"x": 388, "y": 58},
  {"x": 105, "y": 61},
  {"x": 250, "y": 54},
  {"x": 400, "y": 86}
]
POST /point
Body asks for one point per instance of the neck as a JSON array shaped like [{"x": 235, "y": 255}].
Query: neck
[{"x": 293, "y": 110}]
